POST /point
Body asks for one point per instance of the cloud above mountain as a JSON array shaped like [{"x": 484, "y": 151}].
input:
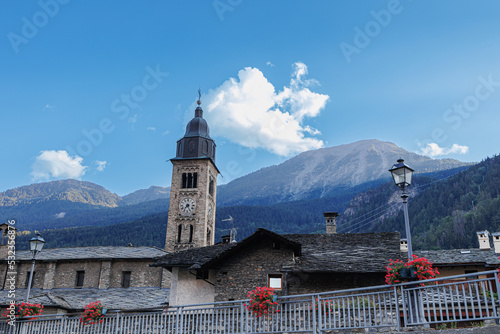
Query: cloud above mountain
[
  {"x": 250, "y": 112},
  {"x": 53, "y": 164},
  {"x": 434, "y": 150}
]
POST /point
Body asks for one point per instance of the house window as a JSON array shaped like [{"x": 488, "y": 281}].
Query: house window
[
  {"x": 126, "y": 279},
  {"x": 179, "y": 233},
  {"x": 189, "y": 180},
  {"x": 80, "y": 276},
  {"x": 28, "y": 279},
  {"x": 471, "y": 272},
  {"x": 275, "y": 281},
  {"x": 201, "y": 274}
]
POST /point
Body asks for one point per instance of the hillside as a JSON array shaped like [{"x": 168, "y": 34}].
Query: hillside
[
  {"x": 146, "y": 195},
  {"x": 324, "y": 172},
  {"x": 443, "y": 215},
  {"x": 61, "y": 190}
]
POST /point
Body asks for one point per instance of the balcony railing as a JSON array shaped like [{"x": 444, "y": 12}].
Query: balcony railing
[{"x": 471, "y": 298}]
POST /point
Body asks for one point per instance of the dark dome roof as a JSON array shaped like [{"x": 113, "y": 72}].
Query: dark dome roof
[{"x": 197, "y": 127}]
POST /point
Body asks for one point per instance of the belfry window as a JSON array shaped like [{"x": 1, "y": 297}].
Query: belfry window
[
  {"x": 189, "y": 180},
  {"x": 191, "y": 230},
  {"x": 211, "y": 187},
  {"x": 179, "y": 233}
]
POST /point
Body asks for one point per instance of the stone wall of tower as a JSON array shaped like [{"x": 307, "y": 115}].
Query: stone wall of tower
[{"x": 199, "y": 219}]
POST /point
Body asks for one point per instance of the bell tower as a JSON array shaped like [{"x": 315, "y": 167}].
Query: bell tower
[{"x": 191, "y": 215}]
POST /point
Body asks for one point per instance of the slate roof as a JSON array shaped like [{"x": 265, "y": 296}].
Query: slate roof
[
  {"x": 112, "y": 299},
  {"x": 345, "y": 252},
  {"x": 472, "y": 256},
  {"x": 360, "y": 252},
  {"x": 95, "y": 252}
]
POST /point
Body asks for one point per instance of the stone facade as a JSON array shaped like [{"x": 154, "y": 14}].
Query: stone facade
[
  {"x": 249, "y": 268},
  {"x": 98, "y": 274},
  {"x": 202, "y": 219}
]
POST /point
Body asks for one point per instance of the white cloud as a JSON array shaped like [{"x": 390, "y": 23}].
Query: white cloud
[
  {"x": 166, "y": 132},
  {"x": 48, "y": 107},
  {"x": 433, "y": 150},
  {"x": 60, "y": 215},
  {"x": 151, "y": 128},
  {"x": 250, "y": 112},
  {"x": 100, "y": 165},
  {"x": 270, "y": 64},
  {"x": 58, "y": 165}
]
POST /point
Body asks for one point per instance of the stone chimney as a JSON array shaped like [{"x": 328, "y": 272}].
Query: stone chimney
[
  {"x": 331, "y": 226},
  {"x": 4, "y": 234},
  {"x": 496, "y": 241},
  {"x": 484, "y": 240},
  {"x": 403, "y": 245}
]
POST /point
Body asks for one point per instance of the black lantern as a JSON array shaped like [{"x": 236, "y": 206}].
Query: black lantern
[
  {"x": 36, "y": 244},
  {"x": 401, "y": 174}
]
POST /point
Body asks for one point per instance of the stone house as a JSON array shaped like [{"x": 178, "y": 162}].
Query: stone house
[
  {"x": 290, "y": 263},
  {"x": 451, "y": 262},
  {"x": 67, "y": 279}
]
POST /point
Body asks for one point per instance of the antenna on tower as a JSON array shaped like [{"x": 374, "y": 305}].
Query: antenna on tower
[{"x": 234, "y": 231}]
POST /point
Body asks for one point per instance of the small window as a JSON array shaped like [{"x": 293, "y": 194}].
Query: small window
[
  {"x": 471, "y": 272},
  {"x": 28, "y": 279},
  {"x": 201, "y": 274},
  {"x": 80, "y": 276},
  {"x": 191, "y": 230},
  {"x": 275, "y": 281},
  {"x": 211, "y": 187},
  {"x": 126, "y": 279},
  {"x": 179, "y": 233}
]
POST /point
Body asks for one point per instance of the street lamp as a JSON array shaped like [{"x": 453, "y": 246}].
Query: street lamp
[
  {"x": 402, "y": 175},
  {"x": 36, "y": 245}
]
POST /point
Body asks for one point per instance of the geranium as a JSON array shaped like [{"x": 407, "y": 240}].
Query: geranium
[
  {"x": 419, "y": 267},
  {"x": 262, "y": 302},
  {"x": 21, "y": 310},
  {"x": 93, "y": 314}
]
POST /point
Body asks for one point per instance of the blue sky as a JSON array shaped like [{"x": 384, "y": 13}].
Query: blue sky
[{"x": 102, "y": 90}]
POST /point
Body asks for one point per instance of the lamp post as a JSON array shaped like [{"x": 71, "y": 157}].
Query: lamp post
[
  {"x": 402, "y": 175},
  {"x": 36, "y": 245}
]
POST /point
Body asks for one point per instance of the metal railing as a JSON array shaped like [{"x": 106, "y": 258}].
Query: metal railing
[{"x": 471, "y": 297}]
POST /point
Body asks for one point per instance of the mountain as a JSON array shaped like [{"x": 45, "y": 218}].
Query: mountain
[
  {"x": 55, "y": 200},
  {"x": 324, "y": 172},
  {"x": 442, "y": 215},
  {"x": 61, "y": 190},
  {"x": 145, "y": 195}
]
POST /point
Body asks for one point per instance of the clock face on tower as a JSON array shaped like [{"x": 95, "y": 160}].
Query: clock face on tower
[{"x": 187, "y": 206}]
